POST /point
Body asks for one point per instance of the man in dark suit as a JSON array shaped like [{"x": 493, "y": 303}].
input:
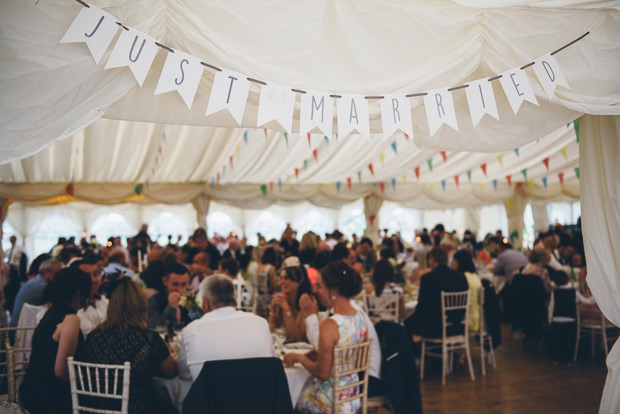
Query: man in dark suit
[{"x": 426, "y": 320}]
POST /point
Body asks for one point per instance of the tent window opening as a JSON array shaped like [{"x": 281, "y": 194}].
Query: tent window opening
[
  {"x": 268, "y": 225},
  {"x": 111, "y": 225},
  {"x": 168, "y": 224},
  {"x": 221, "y": 224},
  {"x": 315, "y": 221},
  {"x": 353, "y": 223}
]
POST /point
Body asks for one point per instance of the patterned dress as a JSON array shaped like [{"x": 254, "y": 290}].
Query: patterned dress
[
  {"x": 263, "y": 296},
  {"x": 145, "y": 350},
  {"x": 317, "y": 396}
]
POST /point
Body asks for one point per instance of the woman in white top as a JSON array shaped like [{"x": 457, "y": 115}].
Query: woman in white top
[
  {"x": 266, "y": 282},
  {"x": 383, "y": 292}
]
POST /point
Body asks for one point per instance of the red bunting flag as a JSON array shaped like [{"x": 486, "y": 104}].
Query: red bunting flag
[
  {"x": 70, "y": 189},
  {"x": 217, "y": 178},
  {"x": 297, "y": 173},
  {"x": 372, "y": 218},
  {"x": 231, "y": 161},
  {"x": 444, "y": 156},
  {"x": 309, "y": 144},
  {"x": 349, "y": 182},
  {"x": 509, "y": 179},
  {"x": 382, "y": 185},
  {"x": 561, "y": 177},
  {"x": 417, "y": 172},
  {"x": 265, "y": 129},
  {"x": 372, "y": 170},
  {"x": 484, "y": 168},
  {"x": 271, "y": 186},
  {"x": 406, "y": 136},
  {"x": 159, "y": 149},
  {"x": 315, "y": 154},
  {"x": 546, "y": 162},
  {"x": 456, "y": 180}
]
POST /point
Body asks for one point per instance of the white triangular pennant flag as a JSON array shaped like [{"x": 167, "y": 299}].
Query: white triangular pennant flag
[
  {"x": 549, "y": 74},
  {"x": 317, "y": 111},
  {"x": 277, "y": 102},
  {"x": 182, "y": 73},
  {"x": 396, "y": 114},
  {"x": 517, "y": 88},
  {"x": 95, "y": 27},
  {"x": 230, "y": 91},
  {"x": 481, "y": 100},
  {"x": 353, "y": 115},
  {"x": 440, "y": 109},
  {"x": 136, "y": 50}
]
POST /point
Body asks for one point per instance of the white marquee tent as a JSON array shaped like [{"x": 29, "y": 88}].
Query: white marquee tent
[{"x": 66, "y": 119}]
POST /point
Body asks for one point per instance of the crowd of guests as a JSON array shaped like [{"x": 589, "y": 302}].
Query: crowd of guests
[{"x": 113, "y": 303}]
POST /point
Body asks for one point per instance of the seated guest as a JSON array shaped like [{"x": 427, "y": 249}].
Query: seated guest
[
  {"x": 284, "y": 311},
  {"x": 508, "y": 261},
  {"x": 124, "y": 336},
  {"x": 310, "y": 309},
  {"x": 383, "y": 290},
  {"x": 266, "y": 281},
  {"x": 223, "y": 332},
  {"x": 32, "y": 291},
  {"x": 346, "y": 327},
  {"x": 45, "y": 388},
  {"x": 199, "y": 269},
  {"x": 93, "y": 314},
  {"x": 426, "y": 320},
  {"x": 117, "y": 263},
  {"x": 243, "y": 295},
  {"x": 539, "y": 258},
  {"x": 463, "y": 262},
  {"x": 153, "y": 278},
  {"x": 164, "y": 306}
]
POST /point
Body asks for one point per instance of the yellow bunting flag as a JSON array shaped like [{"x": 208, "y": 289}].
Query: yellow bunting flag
[
  {"x": 500, "y": 158},
  {"x": 238, "y": 148},
  {"x": 481, "y": 186},
  {"x": 329, "y": 187},
  {"x": 404, "y": 178},
  {"x": 432, "y": 187},
  {"x": 510, "y": 204},
  {"x": 530, "y": 183},
  {"x": 563, "y": 151},
  {"x": 381, "y": 157},
  {"x": 288, "y": 178}
]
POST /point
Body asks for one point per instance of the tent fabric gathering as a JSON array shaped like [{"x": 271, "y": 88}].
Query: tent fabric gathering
[{"x": 78, "y": 124}]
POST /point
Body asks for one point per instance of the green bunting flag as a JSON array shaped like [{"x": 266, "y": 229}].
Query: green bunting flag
[
  {"x": 430, "y": 164},
  {"x": 263, "y": 189},
  {"x": 286, "y": 138},
  {"x": 306, "y": 164},
  {"x": 359, "y": 176},
  {"x": 576, "y": 125},
  {"x": 138, "y": 189},
  {"x": 524, "y": 172},
  {"x": 469, "y": 175},
  {"x": 577, "y": 173}
]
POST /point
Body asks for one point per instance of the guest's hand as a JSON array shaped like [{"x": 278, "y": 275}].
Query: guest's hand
[
  {"x": 290, "y": 359},
  {"x": 308, "y": 305},
  {"x": 279, "y": 299},
  {"x": 173, "y": 299}
]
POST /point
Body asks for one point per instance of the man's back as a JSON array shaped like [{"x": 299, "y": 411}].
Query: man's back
[
  {"x": 223, "y": 333},
  {"x": 508, "y": 262},
  {"x": 30, "y": 293}
]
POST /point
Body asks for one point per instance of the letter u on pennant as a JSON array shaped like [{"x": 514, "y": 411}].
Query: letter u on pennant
[{"x": 136, "y": 50}]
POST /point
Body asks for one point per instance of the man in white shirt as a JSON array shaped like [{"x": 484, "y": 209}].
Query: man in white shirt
[
  {"x": 223, "y": 332},
  {"x": 309, "y": 308}
]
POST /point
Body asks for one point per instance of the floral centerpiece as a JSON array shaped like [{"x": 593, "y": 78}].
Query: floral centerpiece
[{"x": 189, "y": 302}]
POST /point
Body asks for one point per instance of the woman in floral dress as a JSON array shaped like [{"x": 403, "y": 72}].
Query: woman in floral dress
[{"x": 337, "y": 285}]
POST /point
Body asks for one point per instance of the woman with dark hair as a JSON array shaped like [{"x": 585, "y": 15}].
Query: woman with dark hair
[
  {"x": 124, "y": 336},
  {"x": 266, "y": 281},
  {"x": 45, "y": 388},
  {"x": 383, "y": 290},
  {"x": 463, "y": 262},
  {"x": 337, "y": 284},
  {"x": 153, "y": 278},
  {"x": 284, "y": 310}
]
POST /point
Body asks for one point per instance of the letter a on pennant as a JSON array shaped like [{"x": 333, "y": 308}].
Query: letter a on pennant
[
  {"x": 317, "y": 111},
  {"x": 395, "y": 115},
  {"x": 517, "y": 88},
  {"x": 353, "y": 115},
  {"x": 277, "y": 102},
  {"x": 94, "y": 27},
  {"x": 549, "y": 74},
  {"x": 136, "y": 50},
  {"x": 182, "y": 73},
  {"x": 440, "y": 109},
  {"x": 230, "y": 91},
  {"x": 481, "y": 100}
]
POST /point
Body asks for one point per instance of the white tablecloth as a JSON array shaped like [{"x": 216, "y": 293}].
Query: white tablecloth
[{"x": 174, "y": 390}]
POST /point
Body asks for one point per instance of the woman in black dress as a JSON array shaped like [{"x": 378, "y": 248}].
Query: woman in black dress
[
  {"x": 124, "y": 336},
  {"x": 45, "y": 389}
]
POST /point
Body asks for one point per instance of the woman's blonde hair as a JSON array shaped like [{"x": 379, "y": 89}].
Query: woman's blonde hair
[{"x": 127, "y": 308}]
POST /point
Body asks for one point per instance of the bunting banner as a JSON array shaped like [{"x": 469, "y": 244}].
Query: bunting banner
[
  {"x": 481, "y": 100},
  {"x": 136, "y": 50},
  {"x": 276, "y": 103},
  {"x": 395, "y": 115},
  {"x": 94, "y": 27},
  {"x": 440, "y": 109},
  {"x": 181, "y": 73},
  {"x": 317, "y": 111},
  {"x": 230, "y": 91}
]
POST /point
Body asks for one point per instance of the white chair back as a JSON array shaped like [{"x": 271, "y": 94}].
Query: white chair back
[
  {"x": 15, "y": 352},
  {"x": 23, "y": 337},
  {"x": 351, "y": 360},
  {"x": 99, "y": 380},
  {"x": 451, "y": 303},
  {"x": 383, "y": 308}
]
